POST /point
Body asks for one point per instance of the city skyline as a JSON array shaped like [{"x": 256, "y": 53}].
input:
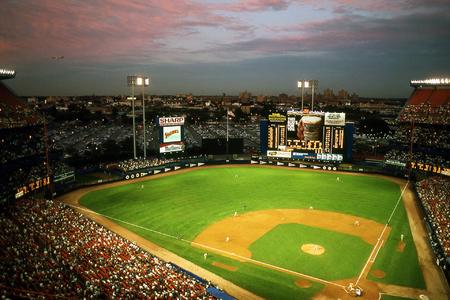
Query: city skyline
[{"x": 372, "y": 48}]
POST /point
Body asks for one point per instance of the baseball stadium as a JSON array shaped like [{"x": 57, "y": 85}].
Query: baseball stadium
[{"x": 296, "y": 204}]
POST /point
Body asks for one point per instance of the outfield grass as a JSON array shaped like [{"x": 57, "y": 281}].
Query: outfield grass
[{"x": 184, "y": 204}]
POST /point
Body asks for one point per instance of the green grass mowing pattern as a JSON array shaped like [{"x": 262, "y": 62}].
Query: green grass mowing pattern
[
  {"x": 344, "y": 255},
  {"x": 186, "y": 203},
  {"x": 399, "y": 266}
]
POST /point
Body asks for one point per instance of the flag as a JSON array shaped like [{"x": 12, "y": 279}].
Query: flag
[{"x": 230, "y": 113}]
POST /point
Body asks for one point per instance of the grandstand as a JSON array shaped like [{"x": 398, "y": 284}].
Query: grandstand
[
  {"x": 429, "y": 103},
  {"x": 423, "y": 144},
  {"x": 23, "y": 147},
  {"x": 423, "y": 126}
]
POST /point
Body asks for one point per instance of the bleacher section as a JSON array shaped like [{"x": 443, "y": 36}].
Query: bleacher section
[
  {"x": 427, "y": 106},
  {"x": 50, "y": 251}
]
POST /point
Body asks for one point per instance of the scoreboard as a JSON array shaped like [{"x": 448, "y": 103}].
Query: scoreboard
[
  {"x": 171, "y": 134},
  {"x": 276, "y": 132},
  {"x": 306, "y": 135}
]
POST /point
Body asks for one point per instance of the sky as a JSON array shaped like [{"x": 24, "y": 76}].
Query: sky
[{"x": 210, "y": 47}]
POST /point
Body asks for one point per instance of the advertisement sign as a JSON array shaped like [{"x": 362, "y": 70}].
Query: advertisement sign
[
  {"x": 281, "y": 154},
  {"x": 168, "y": 148},
  {"x": 171, "y": 134},
  {"x": 277, "y": 118},
  {"x": 335, "y": 119},
  {"x": 300, "y": 155},
  {"x": 330, "y": 157},
  {"x": 32, "y": 186},
  {"x": 171, "y": 121}
]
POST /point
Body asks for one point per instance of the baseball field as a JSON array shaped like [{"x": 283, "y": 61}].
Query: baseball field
[{"x": 279, "y": 233}]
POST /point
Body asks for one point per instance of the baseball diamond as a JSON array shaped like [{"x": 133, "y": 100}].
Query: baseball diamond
[{"x": 257, "y": 252}]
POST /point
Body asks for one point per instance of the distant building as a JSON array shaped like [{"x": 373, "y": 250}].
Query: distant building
[
  {"x": 261, "y": 98},
  {"x": 245, "y": 95},
  {"x": 328, "y": 94},
  {"x": 343, "y": 94}
]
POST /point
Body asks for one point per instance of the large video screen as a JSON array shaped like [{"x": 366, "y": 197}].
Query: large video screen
[
  {"x": 171, "y": 134},
  {"x": 306, "y": 135}
]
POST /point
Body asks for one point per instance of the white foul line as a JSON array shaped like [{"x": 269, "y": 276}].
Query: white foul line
[
  {"x": 370, "y": 259},
  {"x": 215, "y": 249},
  {"x": 376, "y": 254}
]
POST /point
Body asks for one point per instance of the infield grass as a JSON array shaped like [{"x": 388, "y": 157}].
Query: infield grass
[
  {"x": 344, "y": 255},
  {"x": 184, "y": 204}
]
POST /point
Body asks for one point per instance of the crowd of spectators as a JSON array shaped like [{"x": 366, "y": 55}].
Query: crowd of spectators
[
  {"x": 418, "y": 157},
  {"x": 141, "y": 163},
  {"x": 424, "y": 135},
  {"x": 434, "y": 193},
  {"x": 426, "y": 114},
  {"x": 17, "y": 143},
  {"x": 14, "y": 177},
  {"x": 50, "y": 250}
]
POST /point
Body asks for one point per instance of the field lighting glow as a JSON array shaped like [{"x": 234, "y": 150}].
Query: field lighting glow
[
  {"x": 7, "y": 73},
  {"x": 142, "y": 81},
  {"x": 431, "y": 81},
  {"x": 303, "y": 83}
]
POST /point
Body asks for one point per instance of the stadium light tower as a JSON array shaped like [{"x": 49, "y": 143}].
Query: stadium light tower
[
  {"x": 131, "y": 80},
  {"x": 134, "y": 81},
  {"x": 313, "y": 84},
  {"x": 143, "y": 81},
  {"x": 300, "y": 87}
]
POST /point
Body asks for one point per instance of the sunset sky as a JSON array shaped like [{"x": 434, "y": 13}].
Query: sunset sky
[{"x": 371, "y": 47}]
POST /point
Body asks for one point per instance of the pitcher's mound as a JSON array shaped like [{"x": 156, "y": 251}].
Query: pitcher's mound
[{"x": 313, "y": 249}]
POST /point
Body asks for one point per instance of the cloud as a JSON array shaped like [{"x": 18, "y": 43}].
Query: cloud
[
  {"x": 424, "y": 33},
  {"x": 254, "y": 5},
  {"x": 101, "y": 30},
  {"x": 182, "y": 31}
]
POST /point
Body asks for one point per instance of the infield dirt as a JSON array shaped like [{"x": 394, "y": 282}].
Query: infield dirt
[{"x": 258, "y": 223}]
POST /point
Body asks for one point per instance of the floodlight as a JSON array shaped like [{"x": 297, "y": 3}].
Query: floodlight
[
  {"x": 430, "y": 81},
  {"x": 7, "y": 73},
  {"x": 306, "y": 84},
  {"x": 299, "y": 84}
]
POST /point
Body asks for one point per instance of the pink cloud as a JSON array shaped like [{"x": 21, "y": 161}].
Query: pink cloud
[
  {"x": 87, "y": 29},
  {"x": 99, "y": 30}
]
